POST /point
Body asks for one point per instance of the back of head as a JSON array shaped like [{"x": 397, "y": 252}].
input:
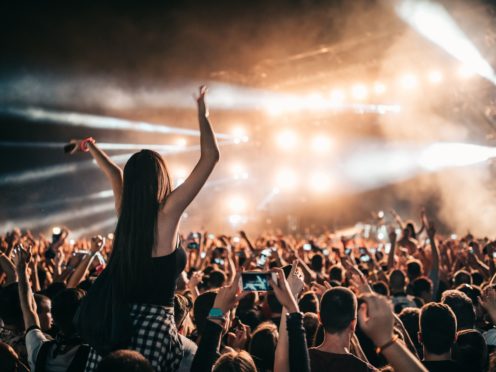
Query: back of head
[
  {"x": 317, "y": 262},
  {"x": 124, "y": 361},
  {"x": 397, "y": 280},
  {"x": 202, "y": 306},
  {"x": 145, "y": 187},
  {"x": 336, "y": 273},
  {"x": 263, "y": 345},
  {"x": 414, "y": 269},
  {"x": 235, "y": 361},
  {"x": 216, "y": 279},
  {"x": 64, "y": 307},
  {"x": 381, "y": 288},
  {"x": 309, "y": 302},
  {"x": 462, "y": 306},
  {"x": 470, "y": 351},
  {"x": 338, "y": 308},
  {"x": 437, "y": 328},
  {"x": 461, "y": 277},
  {"x": 409, "y": 316},
  {"x": 182, "y": 306},
  {"x": 421, "y": 285},
  {"x": 472, "y": 291}
]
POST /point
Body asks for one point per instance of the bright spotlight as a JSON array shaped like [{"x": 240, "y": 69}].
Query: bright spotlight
[
  {"x": 319, "y": 182},
  {"x": 337, "y": 97},
  {"x": 321, "y": 144},
  {"x": 236, "y": 220},
  {"x": 466, "y": 72},
  {"x": 239, "y": 135},
  {"x": 379, "y": 88},
  {"x": 433, "y": 21},
  {"x": 435, "y": 77},
  {"x": 287, "y": 140},
  {"x": 286, "y": 179},
  {"x": 359, "y": 91},
  {"x": 239, "y": 172},
  {"x": 237, "y": 204},
  {"x": 408, "y": 81},
  {"x": 181, "y": 142},
  {"x": 180, "y": 175}
]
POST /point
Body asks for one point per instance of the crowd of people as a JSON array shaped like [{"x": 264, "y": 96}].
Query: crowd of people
[{"x": 148, "y": 298}]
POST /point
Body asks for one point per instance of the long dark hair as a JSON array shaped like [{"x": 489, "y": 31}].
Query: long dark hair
[{"x": 146, "y": 185}]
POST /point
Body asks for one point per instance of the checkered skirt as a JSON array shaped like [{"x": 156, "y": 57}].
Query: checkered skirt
[{"x": 155, "y": 336}]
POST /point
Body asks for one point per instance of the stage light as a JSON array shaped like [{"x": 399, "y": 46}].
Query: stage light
[
  {"x": 237, "y": 204},
  {"x": 239, "y": 135},
  {"x": 286, "y": 179},
  {"x": 56, "y": 231},
  {"x": 466, "y": 72},
  {"x": 181, "y": 142},
  {"x": 359, "y": 91},
  {"x": 287, "y": 140},
  {"x": 236, "y": 220},
  {"x": 408, "y": 81},
  {"x": 337, "y": 97},
  {"x": 319, "y": 182},
  {"x": 379, "y": 88},
  {"x": 433, "y": 21},
  {"x": 239, "y": 172},
  {"x": 179, "y": 175},
  {"x": 446, "y": 155},
  {"x": 435, "y": 77},
  {"x": 321, "y": 144}
]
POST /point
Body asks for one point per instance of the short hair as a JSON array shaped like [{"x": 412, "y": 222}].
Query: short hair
[
  {"x": 182, "y": 306},
  {"x": 64, "y": 307},
  {"x": 10, "y": 305},
  {"x": 216, "y": 279},
  {"x": 437, "y": 327},
  {"x": 477, "y": 278},
  {"x": 381, "y": 288},
  {"x": 336, "y": 273},
  {"x": 317, "y": 262},
  {"x": 397, "y": 279},
  {"x": 472, "y": 291},
  {"x": 470, "y": 351},
  {"x": 414, "y": 268},
  {"x": 309, "y": 302},
  {"x": 238, "y": 361},
  {"x": 460, "y": 277},
  {"x": 462, "y": 307},
  {"x": 420, "y": 285},
  {"x": 202, "y": 306},
  {"x": 338, "y": 308},
  {"x": 124, "y": 361},
  {"x": 263, "y": 344}
]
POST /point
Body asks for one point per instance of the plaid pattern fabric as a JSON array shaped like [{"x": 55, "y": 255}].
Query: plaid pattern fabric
[{"x": 155, "y": 336}]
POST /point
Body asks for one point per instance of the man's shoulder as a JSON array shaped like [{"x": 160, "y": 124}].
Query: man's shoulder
[{"x": 321, "y": 360}]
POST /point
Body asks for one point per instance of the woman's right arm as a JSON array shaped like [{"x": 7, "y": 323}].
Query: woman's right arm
[
  {"x": 111, "y": 170},
  {"x": 183, "y": 195}
]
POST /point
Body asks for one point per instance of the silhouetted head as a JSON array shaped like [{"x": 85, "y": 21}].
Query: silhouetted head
[
  {"x": 235, "y": 361},
  {"x": 263, "y": 344},
  {"x": 125, "y": 361}
]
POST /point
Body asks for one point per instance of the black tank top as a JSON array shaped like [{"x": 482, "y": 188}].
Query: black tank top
[{"x": 161, "y": 279}]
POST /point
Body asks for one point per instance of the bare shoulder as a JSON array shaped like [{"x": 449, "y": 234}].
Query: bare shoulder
[{"x": 167, "y": 226}]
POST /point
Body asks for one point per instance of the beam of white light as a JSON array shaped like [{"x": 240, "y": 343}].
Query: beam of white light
[
  {"x": 268, "y": 198},
  {"x": 53, "y": 203},
  {"x": 435, "y": 77},
  {"x": 97, "y": 121},
  {"x": 237, "y": 204},
  {"x": 319, "y": 181},
  {"x": 58, "y": 218},
  {"x": 96, "y": 227},
  {"x": 432, "y": 21},
  {"x": 102, "y": 145},
  {"x": 359, "y": 92},
  {"x": 446, "y": 155},
  {"x": 44, "y": 173}
]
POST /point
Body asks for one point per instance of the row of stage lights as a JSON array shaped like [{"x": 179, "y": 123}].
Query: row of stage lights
[{"x": 361, "y": 92}]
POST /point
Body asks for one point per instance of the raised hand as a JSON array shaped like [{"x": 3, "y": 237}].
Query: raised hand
[
  {"x": 376, "y": 319},
  {"x": 488, "y": 302},
  {"x": 228, "y": 296},
  {"x": 21, "y": 257},
  {"x": 282, "y": 291},
  {"x": 200, "y": 100},
  {"x": 195, "y": 279},
  {"x": 296, "y": 279}
]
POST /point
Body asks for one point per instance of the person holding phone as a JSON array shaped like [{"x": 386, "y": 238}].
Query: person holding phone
[{"x": 131, "y": 302}]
